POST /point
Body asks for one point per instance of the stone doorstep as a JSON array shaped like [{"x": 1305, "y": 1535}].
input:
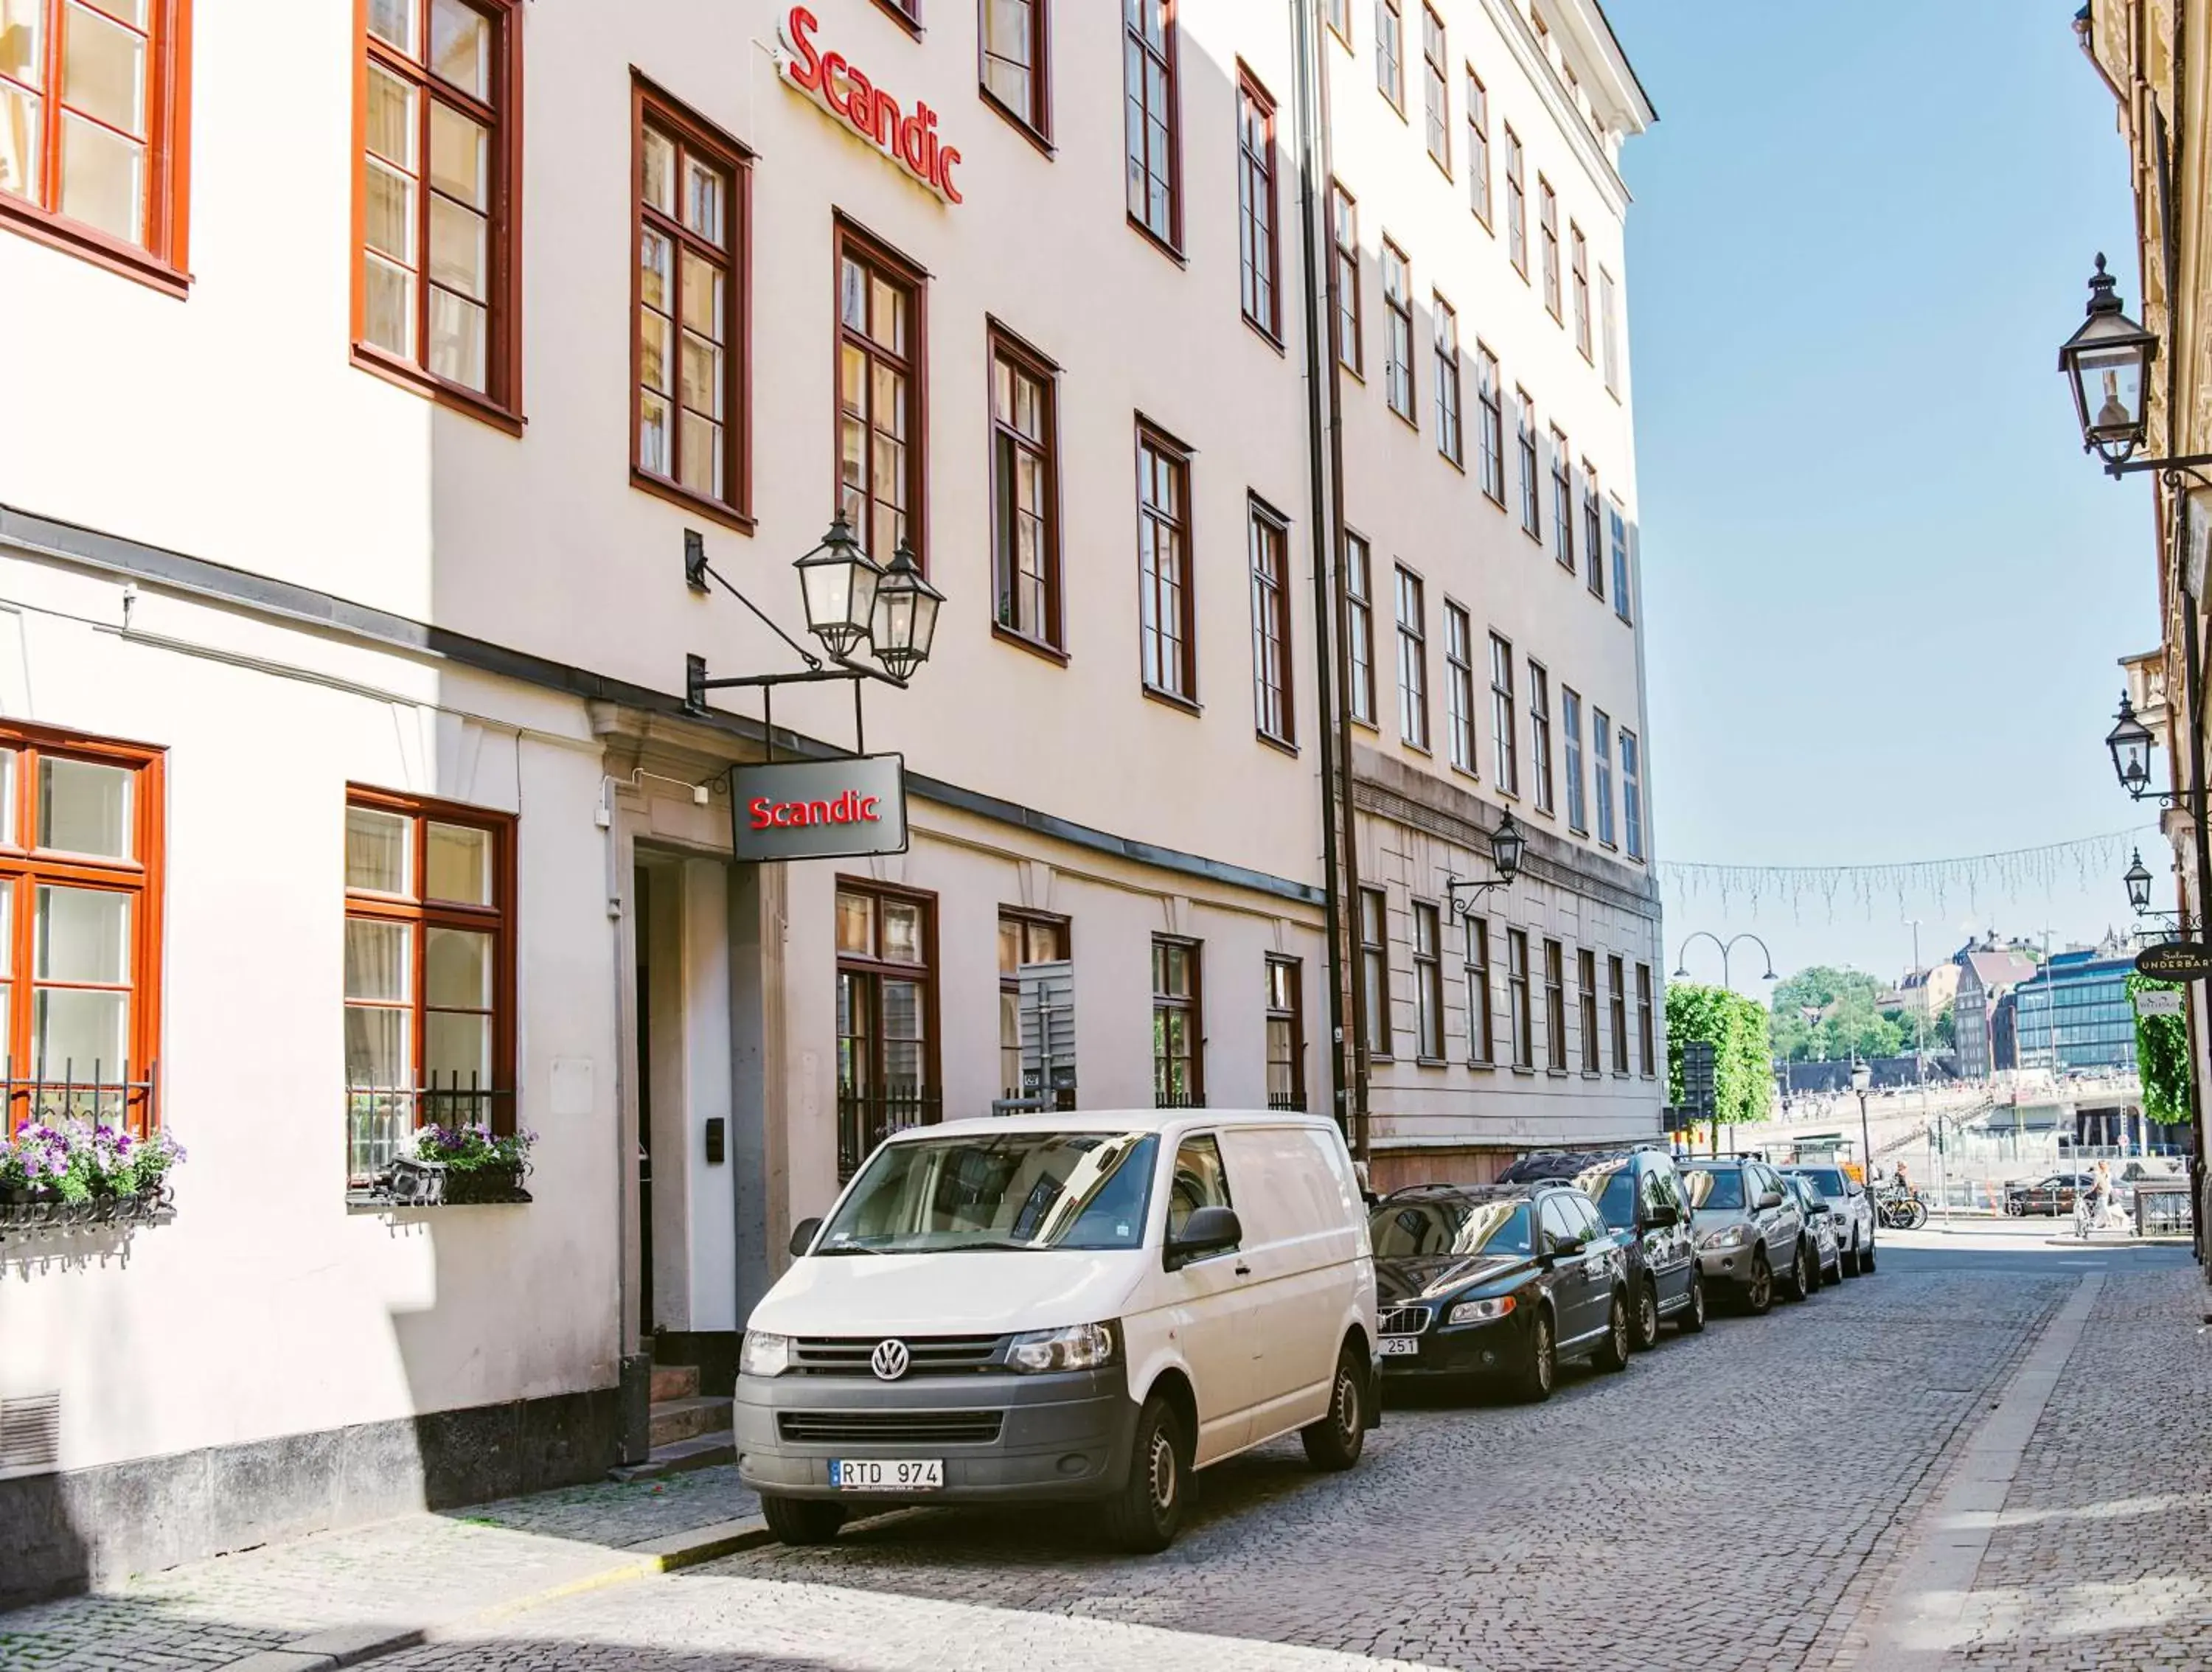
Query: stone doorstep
[
  {"x": 674, "y": 1420},
  {"x": 674, "y": 1382},
  {"x": 350, "y": 1646},
  {"x": 708, "y": 1451}
]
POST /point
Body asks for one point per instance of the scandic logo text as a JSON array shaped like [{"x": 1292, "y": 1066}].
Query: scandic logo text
[
  {"x": 843, "y": 88},
  {"x": 850, "y": 808}
]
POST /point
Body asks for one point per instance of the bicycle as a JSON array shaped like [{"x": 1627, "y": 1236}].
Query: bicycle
[
  {"x": 2106, "y": 1218},
  {"x": 1900, "y": 1210}
]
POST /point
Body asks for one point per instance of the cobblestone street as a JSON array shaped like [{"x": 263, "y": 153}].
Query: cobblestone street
[{"x": 1773, "y": 1494}]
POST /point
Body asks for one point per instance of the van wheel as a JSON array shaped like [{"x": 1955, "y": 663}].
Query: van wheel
[
  {"x": 1647, "y": 1315},
  {"x": 1541, "y": 1369},
  {"x": 1612, "y": 1353},
  {"x": 1143, "y": 1517},
  {"x": 802, "y": 1520},
  {"x": 1692, "y": 1318},
  {"x": 1336, "y": 1441}
]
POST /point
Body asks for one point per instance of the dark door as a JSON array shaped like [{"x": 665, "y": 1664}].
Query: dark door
[
  {"x": 1570, "y": 1281},
  {"x": 1666, "y": 1246},
  {"x": 640, "y": 920}
]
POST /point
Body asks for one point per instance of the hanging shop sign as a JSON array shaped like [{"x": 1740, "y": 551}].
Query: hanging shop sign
[
  {"x": 907, "y": 139},
  {"x": 819, "y": 810},
  {"x": 2158, "y": 1002},
  {"x": 2176, "y": 960}
]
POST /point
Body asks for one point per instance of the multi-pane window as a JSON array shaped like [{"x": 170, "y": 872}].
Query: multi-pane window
[
  {"x": 91, "y": 125},
  {"x": 1593, "y": 532},
  {"x": 1540, "y": 735},
  {"x": 1482, "y": 1024},
  {"x": 688, "y": 417},
  {"x": 1449, "y": 440},
  {"x": 1646, "y": 1032},
  {"x": 1165, "y": 622},
  {"x": 1459, "y": 686},
  {"x": 1374, "y": 970},
  {"x": 886, "y": 1017},
  {"x": 879, "y": 442},
  {"x": 1256, "y": 205},
  {"x": 1338, "y": 13},
  {"x": 1148, "y": 51},
  {"x": 1428, "y": 984},
  {"x": 1503, "y": 742},
  {"x": 1390, "y": 52},
  {"x": 1586, "y": 997},
  {"x": 1555, "y": 1005},
  {"x": 1532, "y": 499},
  {"x": 429, "y": 973},
  {"x": 1601, "y": 759},
  {"x": 1519, "y": 1020},
  {"x": 1036, "y": 1007},
  {"x": 1563, "y": 503},
  {"x": 1610, "y": 329},
  {"x": 1024, "y": 492},
  {"x": 1631, "y": 793},
  {"x": 1547, "y": 216},
  {"x": 434, "y": 268},
  {"x": 1478, "y": 148},
  {"x": 80, "y": 928},
  {"x": 1398, "y": 331},
  {"x": 1616, "y": 975},
  {"x": 1359, "y": 641},
  {"x": 1344, "y": 234},
  {"x": 1619, "y": 563},
  {"x": 1178, "y": 1041},
  {"x": 1489, "y": 425},
  {"x": 1578, "y": 250},
  {"x": 1570, "y": 717},
  {"x": 1436, "y": 92},
  {"x": 1011, "y": 35},
  {"x": 1286, "y": 1034},
  {"x": 1271, "y": 626},
  {"x": 1412, "y": 663},
  {"x": 1517, "y": 204}
]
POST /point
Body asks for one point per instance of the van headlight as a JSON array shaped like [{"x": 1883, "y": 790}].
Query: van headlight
[
  {"x": 1078, "y": 1347},
  {"x": 764, "y": 1354},
  {"x": 1481, "y": 1311},
  {"x": 1728, "y": 1236}
]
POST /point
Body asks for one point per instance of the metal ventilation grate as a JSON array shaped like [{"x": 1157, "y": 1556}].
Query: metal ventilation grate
[{"x": 30, "y": 1434}]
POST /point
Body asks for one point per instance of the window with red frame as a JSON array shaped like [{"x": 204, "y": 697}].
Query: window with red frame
[{"x": 880, "y": 443}]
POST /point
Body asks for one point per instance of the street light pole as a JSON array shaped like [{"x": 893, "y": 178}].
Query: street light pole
[{"x": 1862, "y": 1077}]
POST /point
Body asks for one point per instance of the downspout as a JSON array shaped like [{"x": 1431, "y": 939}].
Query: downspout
[
  {"x": 633, "y": 1371},
  {"x": 1348, "y": 1048}
]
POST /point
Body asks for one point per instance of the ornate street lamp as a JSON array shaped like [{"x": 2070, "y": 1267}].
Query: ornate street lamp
[
  {"x": 905, "y": 616},
  {"x": 2137, "y": 878},
  {"x": 2131, "y": 742},
  {"x": 1507, "y": 845},
  {"x": 2107, "y": 362},
  {"x": 838, "y": 583}
]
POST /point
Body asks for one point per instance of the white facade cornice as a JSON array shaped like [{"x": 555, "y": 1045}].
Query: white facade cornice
[{"x": 1542, "y": 74}]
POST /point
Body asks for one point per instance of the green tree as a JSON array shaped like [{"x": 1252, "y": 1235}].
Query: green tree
[
  {"x": 2162, "y": 1057},
  {"x": 1743, "y": 1062},
  {"x": 1823, "y": 1013}
]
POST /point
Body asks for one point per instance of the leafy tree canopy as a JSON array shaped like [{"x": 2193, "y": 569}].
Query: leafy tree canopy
[{"x": 1743, "y": 1067}]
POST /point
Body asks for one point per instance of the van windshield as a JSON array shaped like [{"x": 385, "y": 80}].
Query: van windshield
[{"x": 1020, "y": 1190}]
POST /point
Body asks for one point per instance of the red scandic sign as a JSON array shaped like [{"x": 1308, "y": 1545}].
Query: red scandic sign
[
  {"x": 843, "y": 88},
  {"x": 765, "y": 813}
]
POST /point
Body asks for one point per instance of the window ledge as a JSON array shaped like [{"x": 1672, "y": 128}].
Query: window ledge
[
  {"x": 1367, "y": 725},
  {"x": 1483, "y": 1068},
  {"x": 1282, "y": 745},
  {"x": 1432, "y": 1062},
  {"x": 1020, "y": 124},
  {"x": 1530, "y": 1073},
  {"x": 1189, "y": 705},
  {"x": 1357, "y": 374},
  {"x": 677, "y": 493},
  {"x": 371, "y": 1201},
  {"x": 1274, "y": 339},
  {"x": 452, "y": 395},
  {"x": 1555, "y": 1073},
  {"x": 1622, "y": 1073},
  {"x": 74, "y": 238},
  {"x": 1036, "y": 647},
  {"x": 1592, "y": 1074},
  {"x": 1156, "y": 240},
  {"x": 899, "y": 15}
]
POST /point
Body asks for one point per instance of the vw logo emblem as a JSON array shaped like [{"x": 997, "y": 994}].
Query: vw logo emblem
[{"x": 889, "y": 1360}]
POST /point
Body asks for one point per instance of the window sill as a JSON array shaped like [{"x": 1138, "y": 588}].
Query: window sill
[
  {"x": 1356, "y": 373},
  {"x": 1598, "y": 595},
  {"x": 677, "y": 493},
  {"x": 1555, "y": 1073},
  {"x": 1443, "y": 167},
  {"x": 1482, "y": 220},
  {"x": 1406, "y": 419},
  {"x": 1466, "y": 772},
  {"x": 1593, "y": 1073},
  {"x": 1567, "y": 563},
  {"x": 1499, "y": 500},
  {"x": 1528, "y": 1073},
  {"x": 88, "y": 244},
  {"x": 466, "y": 401},
  {"x": 1282, "y": 745},
  {"x": 1020, "y": 124},
  {"x": 1153, "y": 239},
  {"x": 1459, "y": 464},
  {"x": 898, "y": 15},
  {"x": 1420, "y": 749},
  {"x": 1037, "y": 647},
  {"x": 1189, "y": 705},
  {"x": 1368, "y": 724},
  {"x": 1274, "y": 339},
  {"x": 367, "y": 1201},
  {"x": 1432, "y": 1062},
  {"x": 1588, "y": 358},
  {"x": 1623, "y": 1073},
  {"x": 1483, "y": 1068},
  {"x": 1535, "y": 534}
]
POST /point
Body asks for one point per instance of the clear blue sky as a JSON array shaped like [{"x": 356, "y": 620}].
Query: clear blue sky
[{"x": 1884, "y": 588}]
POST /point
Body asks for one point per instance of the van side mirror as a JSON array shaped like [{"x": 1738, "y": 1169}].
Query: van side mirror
[
  {"x": 802, "y": 1237},
  {"x": 1207, "y": 1231}
]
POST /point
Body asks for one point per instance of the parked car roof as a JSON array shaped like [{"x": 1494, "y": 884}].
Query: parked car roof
[{"x": 1112, "y": 1119}]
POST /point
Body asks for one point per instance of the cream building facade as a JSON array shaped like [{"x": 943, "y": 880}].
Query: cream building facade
[{"x": 358, "y": 640}]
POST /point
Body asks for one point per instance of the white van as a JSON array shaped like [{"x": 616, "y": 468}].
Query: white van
[{"x": 1057, "y": 1307}]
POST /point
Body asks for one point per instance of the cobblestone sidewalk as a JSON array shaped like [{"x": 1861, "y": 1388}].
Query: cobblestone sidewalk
[{"x": 339, "y": 1591}]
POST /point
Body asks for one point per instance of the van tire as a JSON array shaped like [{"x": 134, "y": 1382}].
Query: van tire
[
  {"x": 802, "y": 1520},
  {"x": 1144, "y": 1515},
  {"x": 1335, "y": 1442}
]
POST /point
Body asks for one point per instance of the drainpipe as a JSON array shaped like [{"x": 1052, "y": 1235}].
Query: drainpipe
[{"x": 633, "y": 1370}]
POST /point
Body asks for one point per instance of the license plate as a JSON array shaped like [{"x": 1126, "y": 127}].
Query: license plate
[
  {"x": 1400, "y": 1347},
  {"x": 886, "y": 1473}
]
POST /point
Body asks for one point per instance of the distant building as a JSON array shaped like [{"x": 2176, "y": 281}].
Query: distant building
[
  {"x": 1925, "y": 994},
  {"x": 1987, "y": 973},
  {"x": 2075, "y": 1013}
]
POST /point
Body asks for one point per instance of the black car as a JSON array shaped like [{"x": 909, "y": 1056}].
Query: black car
[
  {"x": 1498, "y": 1283},
  {"x": 1638, "y": 1193}
]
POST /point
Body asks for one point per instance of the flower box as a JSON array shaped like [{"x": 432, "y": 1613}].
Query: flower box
[{"x": 80, "y": 1176}]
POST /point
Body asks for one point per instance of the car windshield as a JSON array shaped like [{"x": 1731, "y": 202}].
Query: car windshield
[
  {"x": 1717, "y": 1188},
  {"x": 1450, "y": 1225},
  {"x": 1809, "y": 1193},
  {"x": 1018, "y": 1190},
  {"x": 1616, "y": 1199},
  {"x": 1829, "y": 1181}
]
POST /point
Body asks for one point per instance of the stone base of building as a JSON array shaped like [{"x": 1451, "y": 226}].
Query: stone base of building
[
  {"x": 713, "y": 1350},
  {"x": 1389, "y": 1169},
  {"x": 68, "y": 1532}
]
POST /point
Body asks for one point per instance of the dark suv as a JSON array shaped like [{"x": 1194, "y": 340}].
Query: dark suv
[
  {"x": 1498, "y": 1282},
  {"x": 1639, "y": 1194}
]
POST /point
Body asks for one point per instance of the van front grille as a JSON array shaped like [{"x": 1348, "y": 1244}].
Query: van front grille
[
  {"x": 890, "y": 1427},
  {"x": 927, "y": 1355}
]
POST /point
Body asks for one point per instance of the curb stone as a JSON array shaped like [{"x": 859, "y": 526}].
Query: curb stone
[{"x": 350, "y": 1646}]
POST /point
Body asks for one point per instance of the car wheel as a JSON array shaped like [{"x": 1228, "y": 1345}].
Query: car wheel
[
  {"x": 2015, "y": 1210},
  {"x": 1613, "y": 1351},
  {"x": 1336, "y": 1441},
  {"x": 1759, "y": 1287},
  {"x": 1143, "y": 1516},
  {"x": 1692, "y": 1318},
  {"x": 802, "y": 1520},
  {"x": 1795, "y": 1284},
  {"x": 1647, "y": 1315},
  {"x": 1865, "y": 1260},
  {"x": 1541, "y": 1368}
]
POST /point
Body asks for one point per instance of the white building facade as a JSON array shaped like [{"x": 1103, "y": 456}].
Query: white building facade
[{"x": 345, "y": 497}]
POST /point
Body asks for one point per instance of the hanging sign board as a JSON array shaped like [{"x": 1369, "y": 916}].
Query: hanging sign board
[
  {"x": 2158, "y": 1002},
  {"x": 2177, "y": 960},
  {"x": 819, "y": 810}
]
